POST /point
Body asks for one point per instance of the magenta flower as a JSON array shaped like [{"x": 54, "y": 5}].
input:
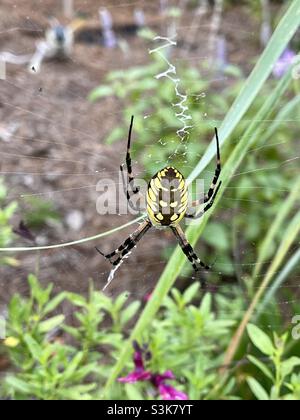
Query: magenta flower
[
  {"x": 139, "y": 373},
  {"x": 284, "y": 63},
  {"x": 166, "y": 391}
]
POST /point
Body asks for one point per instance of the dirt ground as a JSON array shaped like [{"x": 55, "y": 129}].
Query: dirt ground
[{"x": 60, "y": 141}]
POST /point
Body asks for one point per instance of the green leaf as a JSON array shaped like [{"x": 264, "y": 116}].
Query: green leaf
[
  {"x": 260, "y": 365},
  {"x": 287, "y": 367},
  {"x": 115, "y": 135},
  {"x": 51, "y": 324},
  {"x": 190, "y": 293},
  {"x": 54, "y": 303},
  {"x": 33, "y": 347},
  {"x": 217, "y": 230},
  {"x": 18, "y": 384},
  {"x": 73, "y": 365},
  {"x": 77, "y": 300},
  {"x": 129, "y": 312},
  {"x": 120, "y": 301},
  {"x": 260, "y": 340},
  {"x": 257, "y": 389},
  {"x": 133, "y": 392},
  {"x": 101, "y": 92},
  {"x": 78, "y": 392},
  {"x": 205, "y": 306}
]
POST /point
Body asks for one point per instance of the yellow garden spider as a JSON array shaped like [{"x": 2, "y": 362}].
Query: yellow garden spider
[{"x": 167, "y": 205}]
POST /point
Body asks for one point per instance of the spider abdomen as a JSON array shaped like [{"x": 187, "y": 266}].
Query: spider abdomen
[{"x": 167, "y": 197}]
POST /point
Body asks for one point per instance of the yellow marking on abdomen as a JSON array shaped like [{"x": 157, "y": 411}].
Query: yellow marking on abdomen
[
  {"x": 157, "y": 184},
  {"x": 184, "y": 197},
  {"x": 151, "y": 195},
  {"x": 159, "y": 216},
  {"x": 152, "y": 205},
  {"x": 182, "y": 184},
  {"x": 163, "y": 203}
]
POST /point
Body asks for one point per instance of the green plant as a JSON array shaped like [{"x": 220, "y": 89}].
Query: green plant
[
  {"x": 39, "y": 212},
  {"x": 243, "y": 102},
  {"x": 48, "y": 367},
  {"x": 6, "y": 230},
  {"x": 285, "y": 376},
  {"x": 53, "y": 359},
  {"x": 56, "y": 356},
  {"x": 156, "y": 144}
]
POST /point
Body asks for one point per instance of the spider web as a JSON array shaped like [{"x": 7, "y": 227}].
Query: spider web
[{"x": 53, "y": 148}]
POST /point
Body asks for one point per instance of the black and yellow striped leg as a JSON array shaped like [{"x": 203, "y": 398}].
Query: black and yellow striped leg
[
  {"x": 121, "y": 252},
  {"x": 211, "y": 191},
  {"x": 129, "y": 188},
  {"x": 188, "y": 251},
  {"x": 207, "y": 207}
]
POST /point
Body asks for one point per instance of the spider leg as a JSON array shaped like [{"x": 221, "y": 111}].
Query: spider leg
[
  {"x": 212, "y": 188},
  {"x": 128, "y": 191},
  {"x": 189, "y": 251},
  {"x": 121, "y": 252},
  {"x": 207, "y": 207},
  {"x": 129, "y": 188}
]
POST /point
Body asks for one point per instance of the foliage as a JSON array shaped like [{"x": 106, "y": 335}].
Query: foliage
[
  {"x": 6, "y": 231},
  {"x": 56, "y": 356},
  {"x": 40, "y": 212},
  {"x": 285, "y": 382},
  {"x": 251, "y": 137},
  {"x": 156, "y": 133}
]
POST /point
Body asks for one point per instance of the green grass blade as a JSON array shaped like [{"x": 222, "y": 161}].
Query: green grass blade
[
  {"x": 281, "y": 117},
  {"x": 291, "y": 234},
  {"x": 276, "y": 225},
  {"x": 281, "y": 37},
  {"x": 284, "y": 32},
  {"x": 279, "y": 280}
]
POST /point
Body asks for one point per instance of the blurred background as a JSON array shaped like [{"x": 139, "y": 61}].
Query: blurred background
[{"x": 75, "y": 71}]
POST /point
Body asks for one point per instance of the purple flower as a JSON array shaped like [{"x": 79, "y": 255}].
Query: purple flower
[
  {"x": 284, "y": 63},
  {"x": 166, "y": 391},
  {"x": 139, "y": 373}
]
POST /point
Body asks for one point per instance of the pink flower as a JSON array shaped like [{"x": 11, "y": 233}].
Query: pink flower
[
  {"x": 139, "y": 373},
  {"x": 136, "y": 376},
  {"x": 166, "y": 391}
]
